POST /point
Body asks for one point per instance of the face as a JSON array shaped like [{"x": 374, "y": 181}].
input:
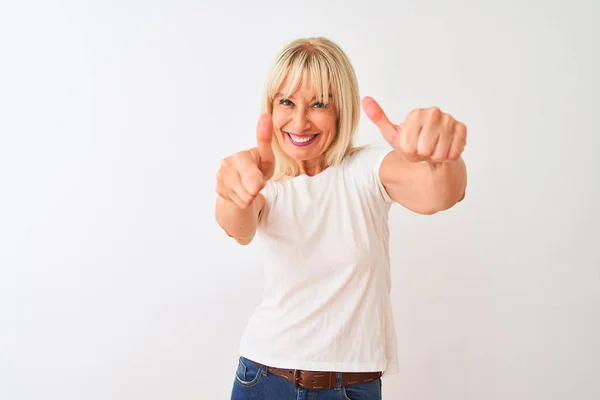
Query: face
[{"x": 304, "y": 125}]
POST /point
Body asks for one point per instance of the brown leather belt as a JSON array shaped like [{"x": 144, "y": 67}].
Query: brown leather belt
[{"x": 315, "y": 380}]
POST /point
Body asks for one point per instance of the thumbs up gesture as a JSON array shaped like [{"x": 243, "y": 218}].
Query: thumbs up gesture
[
  {"x": 427, "y": 134},
  {"x": 244, "y": 174}
]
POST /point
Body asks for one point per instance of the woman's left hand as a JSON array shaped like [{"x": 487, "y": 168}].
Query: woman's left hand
[{"x": 427, "y": 134}]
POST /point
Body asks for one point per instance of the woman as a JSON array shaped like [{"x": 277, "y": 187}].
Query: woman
[{"x": 320, "y": 206}]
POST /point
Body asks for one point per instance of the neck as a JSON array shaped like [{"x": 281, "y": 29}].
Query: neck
[{"x": 311, "y": 167}]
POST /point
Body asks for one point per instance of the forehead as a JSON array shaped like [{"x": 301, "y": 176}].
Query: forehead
[{"x": 301, "y": 87}]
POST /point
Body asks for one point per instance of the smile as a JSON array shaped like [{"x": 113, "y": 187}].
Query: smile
[{"x": 301, "y": 140}]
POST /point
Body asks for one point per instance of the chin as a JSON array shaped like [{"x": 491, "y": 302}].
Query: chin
[{"x": 301, "y": 154}]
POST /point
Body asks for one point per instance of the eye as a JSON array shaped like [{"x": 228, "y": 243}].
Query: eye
[
  {"x": 286, "y": 102},
  {"x": 319, "y": 104}
]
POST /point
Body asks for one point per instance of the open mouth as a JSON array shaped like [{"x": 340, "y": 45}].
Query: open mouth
[{"x": 301, "y": 140}]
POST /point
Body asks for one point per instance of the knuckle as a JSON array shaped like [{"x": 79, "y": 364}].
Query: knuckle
[
  {"x": 245, "y": 203},
  {"x": 248, "y": 197},
  {"x": 411, "y": 150},
  {"x": 238, "y": 156},
  {"x": 244, "y": 158},
  {"x": 435, "y": 113},
  {"x": 440, "y": 155},
  {"x": 221, "y": 192},
  {"x": 424, "y": 149},
  {"x": 405, "y": 145},
  {"x": 255, "y": 186},
  {"x": 424, "y": 153},
  {"x": 449, "y": 122},
  {"x": 454, "y": 154},
  {"x": 414, "y": 114}
]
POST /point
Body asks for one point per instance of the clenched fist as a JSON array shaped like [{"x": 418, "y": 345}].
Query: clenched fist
[
  {"x": 427, "y": 134},
  {"x": 244, "y": 174}
]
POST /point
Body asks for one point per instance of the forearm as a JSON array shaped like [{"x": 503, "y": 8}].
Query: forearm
[
  {"x": 238, "y": 223},
  {"x": 447, "y": 183}
]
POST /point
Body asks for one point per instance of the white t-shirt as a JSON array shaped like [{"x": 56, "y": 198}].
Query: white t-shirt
[{"x": 326, "y": 302}]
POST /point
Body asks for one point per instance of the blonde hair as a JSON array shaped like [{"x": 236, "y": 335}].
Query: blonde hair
[{"x": 323, "y": 63}]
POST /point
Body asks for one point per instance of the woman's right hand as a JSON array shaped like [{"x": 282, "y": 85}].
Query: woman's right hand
[{"x": 244, "y": 174}]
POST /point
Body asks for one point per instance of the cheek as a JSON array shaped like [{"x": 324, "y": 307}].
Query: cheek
[
  {"x": 279, "y": 119},
  {"x": 326, "y": 123}
]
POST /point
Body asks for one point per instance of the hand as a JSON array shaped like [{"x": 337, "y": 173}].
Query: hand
[
  {"x": 243, "y": 175},
  {"x": 426, "y": 135}
]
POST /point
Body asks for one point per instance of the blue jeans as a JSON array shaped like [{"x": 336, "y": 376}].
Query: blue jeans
[{"x": 253, "y": 382}]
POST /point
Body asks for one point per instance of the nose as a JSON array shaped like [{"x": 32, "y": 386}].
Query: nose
[{"x": 300, "y": 121}]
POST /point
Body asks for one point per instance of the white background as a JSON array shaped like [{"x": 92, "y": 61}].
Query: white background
[{"x": 115, "y": 280}]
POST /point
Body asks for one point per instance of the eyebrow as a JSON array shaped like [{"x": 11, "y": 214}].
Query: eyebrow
[{"x": 291, "y": 97}]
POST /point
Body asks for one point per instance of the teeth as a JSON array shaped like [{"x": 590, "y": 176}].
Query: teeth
[{"x": 303, "y": 139}]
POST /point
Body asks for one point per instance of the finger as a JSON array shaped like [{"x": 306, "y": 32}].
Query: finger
[
  {"x": 236, "y": 199},
  {"x": 221, "y": 191},
  {"x": 442, "y": 148},
  {"x": 251, "y": 176},
  {"x": 459, "y": 142},
  {"x": 221, "y": 188},
  {"x": 409, "y": 137},
  {"x": 413, "y": 157},
  {"x": 376, "y": 114},
  {"x": 244, "y": 199},
  {"x": 235, "y": 189},
  {"x": 264, "y": 137},
  {"x": 228, "y": 195},
  {"x": 432, "y": 121},
  {"x": 428, "y": 138},
  {"x": 253, "y": 180}
]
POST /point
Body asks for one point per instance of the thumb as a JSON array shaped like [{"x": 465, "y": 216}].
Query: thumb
[
  {"x": 264, "y": 136},
  {"x": 376, "y": 114}
]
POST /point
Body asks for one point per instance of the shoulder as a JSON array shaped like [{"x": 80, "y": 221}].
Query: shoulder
[
  {"x": 362, "y": 166},
  {"x": 270, "y": 189},
  {"x": 367, "y": 156},
  {"x": 269, "y": 194}
]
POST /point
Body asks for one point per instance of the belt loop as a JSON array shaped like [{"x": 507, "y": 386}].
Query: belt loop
[
  {"x": 263, "y": 369},
  {"x": 338, "y": 381},
  {"x": 296, "y": 378}
]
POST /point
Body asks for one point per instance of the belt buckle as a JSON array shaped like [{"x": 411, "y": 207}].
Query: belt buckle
[{"x": 296, "y": 378}]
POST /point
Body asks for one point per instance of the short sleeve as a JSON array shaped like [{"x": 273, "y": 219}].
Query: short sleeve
[
  {"x": 269, "y": 192},
  {"x": 365, "y": 164}
]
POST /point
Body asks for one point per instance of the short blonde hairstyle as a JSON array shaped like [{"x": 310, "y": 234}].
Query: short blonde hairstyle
[{"x": 323, "y": 63}]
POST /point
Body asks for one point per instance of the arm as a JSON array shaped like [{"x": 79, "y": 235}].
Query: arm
[
  {"x": 423, "y": 187},
  {"x": 239, "y": 223},
  {"x": 239, "y": 181},
  {"x": 425, "y": 172}
]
